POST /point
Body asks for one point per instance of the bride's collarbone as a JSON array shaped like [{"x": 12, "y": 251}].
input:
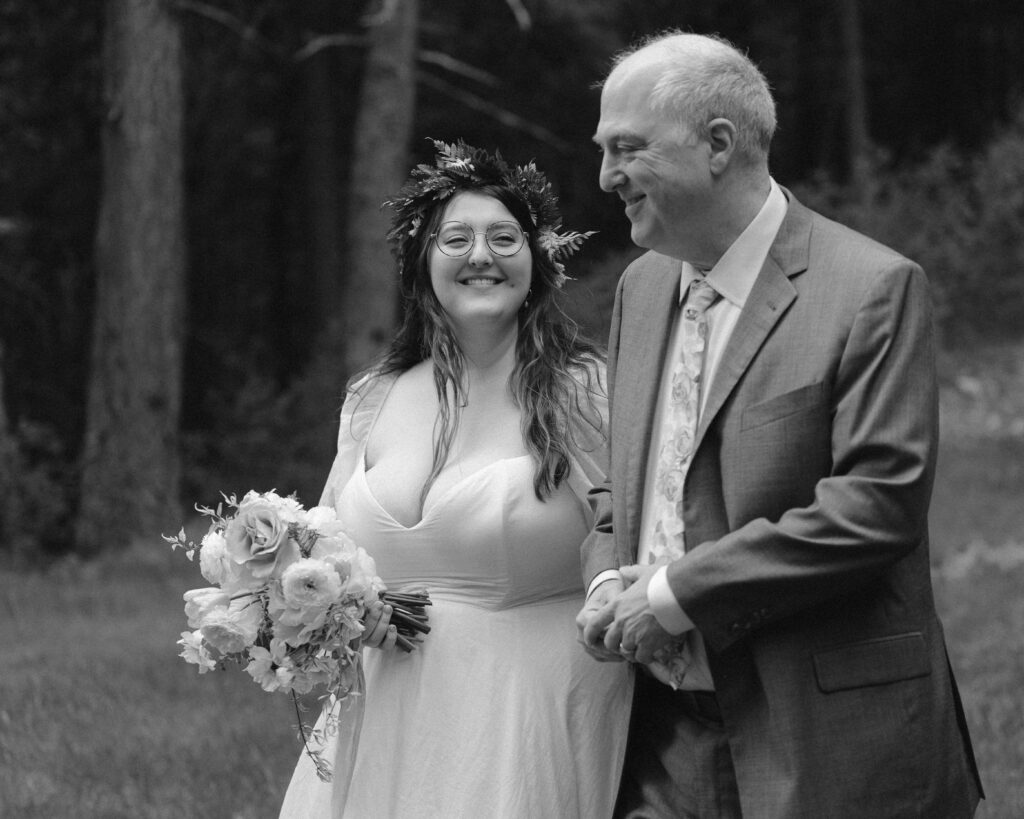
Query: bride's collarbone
[
  {"x": 399, "y": 453},
  {"x": 397, "y": 478},
  {"x": 489, "y": 425}
]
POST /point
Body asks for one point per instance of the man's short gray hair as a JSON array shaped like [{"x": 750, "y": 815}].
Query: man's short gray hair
[{"x": 704, "y": 77}]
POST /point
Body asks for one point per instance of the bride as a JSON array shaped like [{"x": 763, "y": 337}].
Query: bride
[{"x": 464, "y": 460}]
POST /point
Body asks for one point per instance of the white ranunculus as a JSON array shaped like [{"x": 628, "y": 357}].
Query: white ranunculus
[
  {"x": 200, "y": 602},
  {"x": 193, "y": 651},
  {"x": 333, "y": 544},
  {"x": 233, "y": 629},
  {"x": 288, "y": 509},
  {"x": 363, "y": 582},
  {"x": 320, "y": 518},
  {"x": 310, "y": 583},
  {"x": 214, "y": 560}
]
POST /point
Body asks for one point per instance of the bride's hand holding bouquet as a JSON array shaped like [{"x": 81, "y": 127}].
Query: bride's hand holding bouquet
[{"x": 292, "y": 600}]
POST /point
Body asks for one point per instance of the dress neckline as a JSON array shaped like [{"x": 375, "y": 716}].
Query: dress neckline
[{"x": 442, "y": 499}]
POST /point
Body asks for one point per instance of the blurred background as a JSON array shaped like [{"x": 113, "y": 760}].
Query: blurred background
[
  {"x": 192, "y": 255},
  {"x": 192, "y": 259},
  {"x": 191, "y": 245}
]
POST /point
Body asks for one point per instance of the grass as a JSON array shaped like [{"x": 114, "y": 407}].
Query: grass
[
  {"x": 100, "y": 720},
  {"x": 977, "y": 524},
  {"x": 978, "y": 556}
]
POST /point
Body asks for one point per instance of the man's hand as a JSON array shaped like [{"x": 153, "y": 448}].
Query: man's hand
[
  {"x": 629, "y": 626},
  {"x": 588, "y": 634}
]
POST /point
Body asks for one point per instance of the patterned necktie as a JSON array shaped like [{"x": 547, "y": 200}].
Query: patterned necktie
[
  {"x": 680, "y": 427},
  {"x": 678, "y": 436}
]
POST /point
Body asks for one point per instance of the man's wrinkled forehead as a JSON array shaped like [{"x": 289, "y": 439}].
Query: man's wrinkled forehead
[
  {"x": 625, "y": 99},
  {"x": 639, "y": 71}
]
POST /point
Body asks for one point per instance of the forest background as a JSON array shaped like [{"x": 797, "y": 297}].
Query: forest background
[{"x": 192, "y": 264}]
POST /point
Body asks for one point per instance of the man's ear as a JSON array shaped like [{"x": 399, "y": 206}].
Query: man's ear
[{"x": 722, "y": 138}]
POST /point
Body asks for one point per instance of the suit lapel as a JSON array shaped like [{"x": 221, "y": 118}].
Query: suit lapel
[
  {"x": 771, "y": 295},
  {"x": 656, "y": 304}
]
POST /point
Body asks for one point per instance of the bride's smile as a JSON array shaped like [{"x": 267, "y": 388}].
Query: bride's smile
[{"x": 480, "y": 262}]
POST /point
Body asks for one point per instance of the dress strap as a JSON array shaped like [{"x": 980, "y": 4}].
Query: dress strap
[{"x": 363, "y": 401}]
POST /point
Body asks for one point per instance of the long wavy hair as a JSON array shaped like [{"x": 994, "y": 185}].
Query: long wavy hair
[{"x": 556, "y": 372}]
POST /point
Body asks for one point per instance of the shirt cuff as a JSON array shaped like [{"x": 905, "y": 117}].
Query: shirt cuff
[
  {"x": 664, "y": 604},
  {"x": 607, "y": 574}
]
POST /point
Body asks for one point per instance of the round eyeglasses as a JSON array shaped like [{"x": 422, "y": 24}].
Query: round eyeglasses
[{"x": 456, "y": 239}]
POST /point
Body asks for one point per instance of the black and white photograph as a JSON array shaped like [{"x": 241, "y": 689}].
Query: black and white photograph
[{"x": 511, "y": 409}]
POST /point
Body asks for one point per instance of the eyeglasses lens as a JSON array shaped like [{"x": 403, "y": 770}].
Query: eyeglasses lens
[{"x": 503, "y": 238}]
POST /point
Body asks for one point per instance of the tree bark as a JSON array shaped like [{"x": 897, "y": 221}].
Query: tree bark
[
  {"x": 858, "y": 143},
  {"x": 321, "y": 160},
  {"x": 379, "y": 164},
  {"x": 130, "y": 469}
]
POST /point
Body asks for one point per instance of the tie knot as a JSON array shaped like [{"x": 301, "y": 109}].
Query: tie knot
[{"x": 701, "y": 296}]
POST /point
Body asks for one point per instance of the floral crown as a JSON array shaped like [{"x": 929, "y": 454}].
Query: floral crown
[{"x": 458, "y": 167}]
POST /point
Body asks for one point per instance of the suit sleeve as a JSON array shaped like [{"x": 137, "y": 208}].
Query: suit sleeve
[
  {"x": 589, "y": 429},
  {"x": 869, "y": 511},
  {"x": 597, "y": 553}
]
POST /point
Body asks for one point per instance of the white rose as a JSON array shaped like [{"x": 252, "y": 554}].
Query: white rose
[{"x": 258, "y": 541}]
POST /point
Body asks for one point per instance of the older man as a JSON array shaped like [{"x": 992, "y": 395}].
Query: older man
[{"x": 761, "y": 547}]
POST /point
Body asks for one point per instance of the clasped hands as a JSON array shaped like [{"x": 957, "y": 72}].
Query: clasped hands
[{"x": 617, "y": 623}]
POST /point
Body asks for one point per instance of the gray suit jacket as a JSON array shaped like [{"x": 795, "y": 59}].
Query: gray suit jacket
[{"x": 805, "y": 507}]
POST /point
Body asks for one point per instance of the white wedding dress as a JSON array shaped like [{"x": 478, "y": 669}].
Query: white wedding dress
[{"x": 499, "y": 713}]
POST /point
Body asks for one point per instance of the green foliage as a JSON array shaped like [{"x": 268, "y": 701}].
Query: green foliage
[
  {"x": 35, "y": 495},
  {"x": 250, "y": 241},
  {"x": 49, "y": 187},
  {"x": 995, "y": 279},
  {"x": 590, "y": 293},
  {"x": 262, "y": 436},
  {"x": 961, "y": 218}
]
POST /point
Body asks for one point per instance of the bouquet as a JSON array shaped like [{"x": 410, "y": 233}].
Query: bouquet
[{"x": 290, "y": 591}]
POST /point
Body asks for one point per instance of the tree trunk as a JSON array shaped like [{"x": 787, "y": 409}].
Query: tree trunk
[
  {"x": 379, "y": 165},
  {"x": 858, "y": 144},
  {"x": 321, "y": 160},
  {"x": 130, "y": 466}
]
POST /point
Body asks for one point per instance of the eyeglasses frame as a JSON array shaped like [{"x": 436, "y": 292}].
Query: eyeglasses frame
[{"x": 475, "y": 233}]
